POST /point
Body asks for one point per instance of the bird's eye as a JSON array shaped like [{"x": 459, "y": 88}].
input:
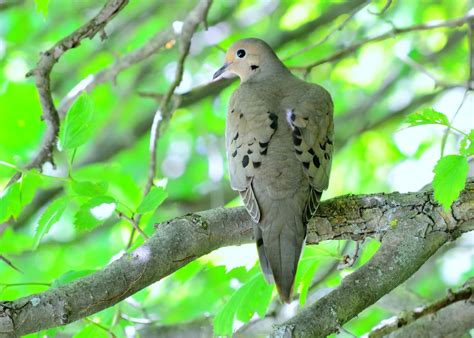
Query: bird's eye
[{"x": 241, "y": 53}]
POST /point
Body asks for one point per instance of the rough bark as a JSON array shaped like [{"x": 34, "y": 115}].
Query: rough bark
[{"x": 412, "y": 227}]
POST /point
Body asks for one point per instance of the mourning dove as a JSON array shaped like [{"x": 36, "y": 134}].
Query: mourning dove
[{"x": 279, "y": 148}]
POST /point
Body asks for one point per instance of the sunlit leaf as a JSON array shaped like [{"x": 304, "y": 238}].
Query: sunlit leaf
[
  {"x": 450, "y": 179},
  {"x": 427, "y": 116},
  {"x": 10, "y": 202},
  {"x": 42, "y": 6},
  {"x": 76, "y": 128},
  {"x": 253, "y": 297},
  {"x": 50, "y": 216},
  {"x": 306, "y": 280},
  {"x": 88, "y": 188},
  {"x": 466, "y": 146},
  {"x": 152, "y": 200},
  {"x": 29, "y": 182},
  {"x": 94, "y": 212},
  {"x": 14, "y": 242}
]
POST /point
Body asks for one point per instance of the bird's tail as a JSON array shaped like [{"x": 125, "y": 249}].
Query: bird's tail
[{"x": 280, "y": 239}]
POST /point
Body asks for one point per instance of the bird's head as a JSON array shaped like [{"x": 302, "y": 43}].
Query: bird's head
[{"x": 248, "y": 59}]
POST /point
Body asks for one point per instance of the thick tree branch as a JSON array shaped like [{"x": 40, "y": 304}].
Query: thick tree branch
[
  {"x": 454, "y": 320},
  {"x": 43, "y": 82},
  {"x": 407, "y": 318},
  {"x": 415, "y": 235},
  {"x": 412, "y": 226}
]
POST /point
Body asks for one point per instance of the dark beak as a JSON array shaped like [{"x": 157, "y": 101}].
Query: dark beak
[{"x": 220, "y": 71}]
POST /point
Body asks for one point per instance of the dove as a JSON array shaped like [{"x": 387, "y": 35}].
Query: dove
[{"x": 279, "y": 144}]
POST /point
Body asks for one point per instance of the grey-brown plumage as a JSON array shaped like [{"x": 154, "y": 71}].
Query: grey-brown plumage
[{"x": 279, "y": 146}]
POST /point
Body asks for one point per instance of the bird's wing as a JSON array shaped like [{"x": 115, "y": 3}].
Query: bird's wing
[
  {"x": 311, "y": 121},
  {"x": 248, "y": 135}
]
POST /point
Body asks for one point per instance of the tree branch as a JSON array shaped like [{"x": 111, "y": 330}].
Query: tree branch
[
  {"x": 415, "y": 235},
  {"x": 166, "y": 109},
  {"x": 387, "y": 35},
  {"x": 43, "y": 82},
  {"x": 422, "y": 226},
  {"x": 407, "y": 318}
]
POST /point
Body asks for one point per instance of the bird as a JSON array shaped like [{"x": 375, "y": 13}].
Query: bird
[{"x": 279, "y": 145}]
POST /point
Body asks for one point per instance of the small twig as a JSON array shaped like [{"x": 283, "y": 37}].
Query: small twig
[
  {"x": 166, "y": 109},
  {"x": 415, "y": 65},
  {"x": 43, "y": 81},
  {"x": 330, "y": 34},
  {"x": 383, "y": 10},
  {"x": 9, "y": 263},
  {"x": 463, "y": 293},
  {"x": 387, "y": 35},
  {"x": 470, "y": 36},
  {"x": 340, "y": 328},
  {"x": 448, "y": 129},
  {"x": 106, "y": 329},
  {"x": 348, "y": 261},
  {"x": 134, "y": 224}
]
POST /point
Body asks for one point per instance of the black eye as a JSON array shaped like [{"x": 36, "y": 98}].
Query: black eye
[{"x": 241, "y": 53}]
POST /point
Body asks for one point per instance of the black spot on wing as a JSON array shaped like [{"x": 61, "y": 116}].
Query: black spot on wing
[
  {"x": 259, "y": 242},
  {"x": 249, "y": 152},
  {"x": 264, "y": 146},
  {"x": 274, "y": 125},
  {"x": 296, "y": 140},
  {"x": 327, "y": 156},
  {"x": 236, "y": 136},
  {"x": 316, "y": 161},
  {"x": 306, "y": 165},
  {"x": 245, "y": 161},
  {"x": 311, "y": 151},
  {"x": 254, "y": 67},
  {"x": 234, "y": 153},
  {"x": 256, "y": 164}
]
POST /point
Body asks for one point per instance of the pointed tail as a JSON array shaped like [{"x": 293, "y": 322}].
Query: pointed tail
[{"x": 280, "y": 240}]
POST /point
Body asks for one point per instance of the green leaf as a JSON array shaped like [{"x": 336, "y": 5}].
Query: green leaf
[
  {"x": 450, "y": 179},
  {"x": 50, "y": 216},
  {"x": 29, "y": 183},
  {"x": 12, "y": 242},
  {"x": 306, "y": 280},
  {"x": 92, "y": 330},
  {"x": 69, "y": 277},
  {"x": 253, "y": 297},
  {"x": 427, "y": 116},
  {"x": 42, "y": 6},
  {"x": 152, "y": 200},
  {"x": 466, "y": 146},
  {"x": 76, "y": 128},
  {"x": 10, "y": 202},
  {"x": 88, "y": 188},
  {"x": 94, "y": 212}
]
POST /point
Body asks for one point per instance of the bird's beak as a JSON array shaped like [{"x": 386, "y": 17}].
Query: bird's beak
[{"x": 220, "y": 72}]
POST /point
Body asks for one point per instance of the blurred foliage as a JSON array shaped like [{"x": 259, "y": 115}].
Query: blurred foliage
[{"x": 83, "y": 220}]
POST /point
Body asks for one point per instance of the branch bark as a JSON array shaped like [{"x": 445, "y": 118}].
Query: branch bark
[
  {"x": 390, "y": 34},
  {"x": 409, "y": 323},
  {"x": 421, "y": 227},
  {"x": 416, "y": 234},
  {"x": 43, "y": 82}
]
